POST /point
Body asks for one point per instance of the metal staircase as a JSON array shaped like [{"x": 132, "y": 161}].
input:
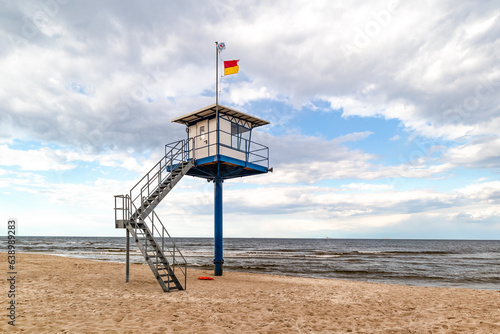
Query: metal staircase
[{"x": 135, "y": 212}]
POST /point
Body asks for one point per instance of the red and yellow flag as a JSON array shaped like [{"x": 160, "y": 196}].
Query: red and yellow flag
[{"x": 231, "y": 67}]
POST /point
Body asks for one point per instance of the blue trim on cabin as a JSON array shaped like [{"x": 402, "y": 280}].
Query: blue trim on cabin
[
  {"x": 224, "y": 158},
  {"x": 224, "y": 166},
  {"x": 242, "y": 163},
  {"x": 228, "y": 167}
]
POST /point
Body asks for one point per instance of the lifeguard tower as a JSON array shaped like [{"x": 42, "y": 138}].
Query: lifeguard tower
[{"x": 218, "y": 147}]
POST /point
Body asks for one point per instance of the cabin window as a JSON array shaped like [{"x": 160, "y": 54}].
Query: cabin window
[
  {"x": 240, "y": 137},
  {"x": 202, "y": 132}
]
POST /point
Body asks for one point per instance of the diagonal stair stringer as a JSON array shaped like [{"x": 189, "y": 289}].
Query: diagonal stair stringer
[
  {"x": 163, "y": 189},
  {"x": 163, "y": 269},
  {"x": 135, "y": 212}
]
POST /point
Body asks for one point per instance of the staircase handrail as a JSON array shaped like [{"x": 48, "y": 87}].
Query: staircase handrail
[
  {"x": 173, "y": 250},
  {"x": 137, "y": 213},
  {"x": 160, "y": 171},
  {"x": 132, "y": 209}
]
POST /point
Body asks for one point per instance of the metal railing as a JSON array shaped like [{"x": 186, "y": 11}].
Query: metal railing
[
  {"x": 259, "y": 154},
  {"x": 158, "y": 174},
  {"x": 172, "y": 254},
  {"x": 127, "y": 209},
  {"x": 155, "y": 228},
  {"x": 254, "y": 152},
  {"x": 122, "y": 209}
]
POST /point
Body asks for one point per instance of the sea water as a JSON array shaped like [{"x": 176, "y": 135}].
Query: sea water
[{"x": 446, "y": 263}]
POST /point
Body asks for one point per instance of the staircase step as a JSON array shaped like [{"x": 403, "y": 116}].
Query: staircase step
[
  {"x": 165, "y": 265},
  {"x": 173, "y": 287},
  {"x": 162, "y": 268},
  {"x": 167, "y": 282},
  {"x": 152, "y": 245}
]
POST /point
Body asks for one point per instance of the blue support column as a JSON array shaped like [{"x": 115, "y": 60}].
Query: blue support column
[{"x": 218, "y": 239}]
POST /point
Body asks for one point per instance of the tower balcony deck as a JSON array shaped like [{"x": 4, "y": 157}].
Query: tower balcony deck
[{"x": 238, "y": 158}]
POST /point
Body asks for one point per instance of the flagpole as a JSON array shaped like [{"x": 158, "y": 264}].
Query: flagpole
[
  {"x": 216, "y": 75},
  {"x": 218, "y": 213},
  {"x": 217, "y": 92}
]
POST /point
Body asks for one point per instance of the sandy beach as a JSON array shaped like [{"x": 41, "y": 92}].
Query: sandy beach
[{"x": 65, "y": 295}]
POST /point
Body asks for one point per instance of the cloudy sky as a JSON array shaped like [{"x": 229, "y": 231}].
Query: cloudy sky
[{"x": 384, "y": 115}]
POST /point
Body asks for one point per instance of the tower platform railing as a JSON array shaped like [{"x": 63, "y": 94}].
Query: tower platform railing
[{"x": 254, "y": 153}]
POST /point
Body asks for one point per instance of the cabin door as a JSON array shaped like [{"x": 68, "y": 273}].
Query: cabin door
[{"x": 201, "y": 139}]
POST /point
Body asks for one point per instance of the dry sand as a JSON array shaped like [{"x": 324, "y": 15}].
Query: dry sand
[{"x": 65, "y": 295}]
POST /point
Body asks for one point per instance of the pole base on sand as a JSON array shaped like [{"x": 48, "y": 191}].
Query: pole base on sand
[{"x": 218, "y": 267}]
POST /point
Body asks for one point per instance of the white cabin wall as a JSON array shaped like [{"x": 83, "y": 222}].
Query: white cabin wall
[
  {"x": 199, "y": 143},
  {"x": 191, "y": 135},
  {"x": 225, "y": 135},
  {"x": 212, "y": 136},
  {"x": 232, "y": 153}
]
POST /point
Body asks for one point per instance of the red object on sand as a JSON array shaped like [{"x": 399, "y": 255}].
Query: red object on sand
[{"x": 205, "y": 278}]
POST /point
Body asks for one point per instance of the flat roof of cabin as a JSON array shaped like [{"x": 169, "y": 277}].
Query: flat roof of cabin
[{"x": 209, "y": 111}]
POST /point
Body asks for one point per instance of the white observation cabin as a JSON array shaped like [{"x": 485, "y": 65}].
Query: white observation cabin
[{"x": 232, "y": 145}]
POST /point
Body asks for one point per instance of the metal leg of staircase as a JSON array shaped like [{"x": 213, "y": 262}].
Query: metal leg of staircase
[{"x": 127, "y": 257}]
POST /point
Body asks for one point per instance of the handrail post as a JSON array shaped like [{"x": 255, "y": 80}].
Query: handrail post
[
  {"x": 159, "y": 174},
  {"x": 149, "y": 181},
  {"x": 127, "y": 257}
]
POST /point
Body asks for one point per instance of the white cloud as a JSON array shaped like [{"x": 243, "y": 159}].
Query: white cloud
[
  {"x": 245, "y": 92},
  {"x": 481, "y": 153},
  {"x": 349, "y": 169},
  {"x": 367, "y": 186},
  {"x": 102, "y": 83},
  {"x": 355, "y": 136},
  {"x": 395, "y": 138},
  {"x": 398, "y": 74},
  {"x": 41, "y": 159},
  {"x": 330, "y": 208}
]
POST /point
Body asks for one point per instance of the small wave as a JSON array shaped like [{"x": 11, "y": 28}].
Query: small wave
[
  {"x": 116, "y": 250},
  {"x": 323, "y": 256},
  {"x": 278, "y": 250},
  {"x": 249, "y": 268},
  {"x": 329, "y": 253},
  {"x": 192, "y": 245},
  {"x": 420, "y": 252}
]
